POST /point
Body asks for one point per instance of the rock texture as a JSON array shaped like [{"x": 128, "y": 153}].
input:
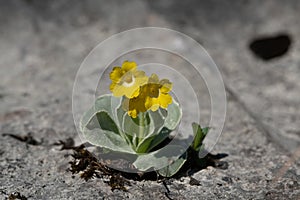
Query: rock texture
[{"x": 44, "y": 42}]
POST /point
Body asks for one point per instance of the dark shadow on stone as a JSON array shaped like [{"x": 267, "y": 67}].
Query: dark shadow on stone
[
  {"x": 28, "y": 139},
  {"x": 267, "y": 48}
]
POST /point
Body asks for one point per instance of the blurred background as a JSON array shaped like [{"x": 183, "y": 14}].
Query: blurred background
[
  {"x": 44, "y": 42},
  {"x": 254, "y": 43}
]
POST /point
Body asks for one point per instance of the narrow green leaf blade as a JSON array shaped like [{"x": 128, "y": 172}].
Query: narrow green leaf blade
[
  {"x": 199, "y": 135},
  {"x": 159, "y": 138},
  {"x": 173, "y": 168}
]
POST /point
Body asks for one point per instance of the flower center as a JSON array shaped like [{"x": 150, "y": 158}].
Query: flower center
[
  {"x": 128, "y": 80},
  {"x": 153, "y": 90}
]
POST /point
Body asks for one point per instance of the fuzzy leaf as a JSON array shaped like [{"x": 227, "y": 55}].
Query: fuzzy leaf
[
  {"x": 102, "y": 104},
  {"x": 174, "y": 116},
  {"x": 173, "y": 168},
  {"x": 158, "y": 159},
  {"x": 107, "y": 139},
  {"x": 165, "y": 121},
  {"x": 143, "y": 147},
  {"x": 159, "y": 138},
  {"x": 157, "y": 120},
  {"x": 106, "y": 123},
  {"x": 131, "y": 125},
  {"x": 99, "y": 127}
]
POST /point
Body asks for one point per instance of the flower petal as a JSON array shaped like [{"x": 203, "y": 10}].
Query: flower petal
[
  {"x": 133, "y": 113},
  {"x": 116, "y": 74},
  {"x": 112, "y": 86},
  {"x": 164, "y": 100},
  {"x": 140, "y": 80},
  {"x": 127, "y": 66},
  {"x": 136, "y": 105},
  {"x": 153, "y": 79},
  {"x": 121, "y": 90},
  {"x": 166, "y": 86}
]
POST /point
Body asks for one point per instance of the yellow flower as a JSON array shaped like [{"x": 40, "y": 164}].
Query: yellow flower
[
  {"x": 134, "y": 106},
  {"x": 158, "y": 93},
  {"x": 126, "y": 80},
  {"x": 151, "y": 96}
]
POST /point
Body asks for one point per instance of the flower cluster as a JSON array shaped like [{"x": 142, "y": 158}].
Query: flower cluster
[{"x": 142, "y": 93}]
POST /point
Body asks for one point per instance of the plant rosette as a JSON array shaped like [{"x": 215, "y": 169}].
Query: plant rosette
[{"x": 135, "y": 120}]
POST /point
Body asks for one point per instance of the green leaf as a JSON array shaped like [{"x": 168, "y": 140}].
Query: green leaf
[
  {"x": 135, "y": 129},
  {"x": 157, "y": 121},
  {"x": 154, "y": 131},
  {"x": 174, "y": 116},
  {"x": 165, "y": 121},
  {"x": 99, "y": 126},
  {"x": 106, "y": 123},
  {"x": 143, "y": 146},
  {"x": 159, "y": 159},
  {"x": 120, "y": 113},
  {"x": 199, "y": 135},
  {"x": 119, "y": 117},
  {"x": 103, "y": 103},
  {"x": 130, "y": 125},
  {"x": 173, "y": 168},
  {"x": 205, "y": 130},
  {"x": 159, "y": 138},
  {"x": 107, "y": 139}
]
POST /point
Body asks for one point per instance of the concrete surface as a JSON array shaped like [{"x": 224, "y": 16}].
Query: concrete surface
[{"x": 44, "y": 42}]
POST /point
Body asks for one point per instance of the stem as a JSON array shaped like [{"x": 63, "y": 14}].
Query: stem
[{"x": 141, "y": 127}]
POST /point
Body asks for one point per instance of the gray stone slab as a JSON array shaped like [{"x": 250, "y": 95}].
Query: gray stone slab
[
  {"x": 268, "y": 90},
  {"x": 44, "y": 43}
]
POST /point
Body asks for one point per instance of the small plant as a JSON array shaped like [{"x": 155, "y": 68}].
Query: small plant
[{"x": 137, "y": 118}]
